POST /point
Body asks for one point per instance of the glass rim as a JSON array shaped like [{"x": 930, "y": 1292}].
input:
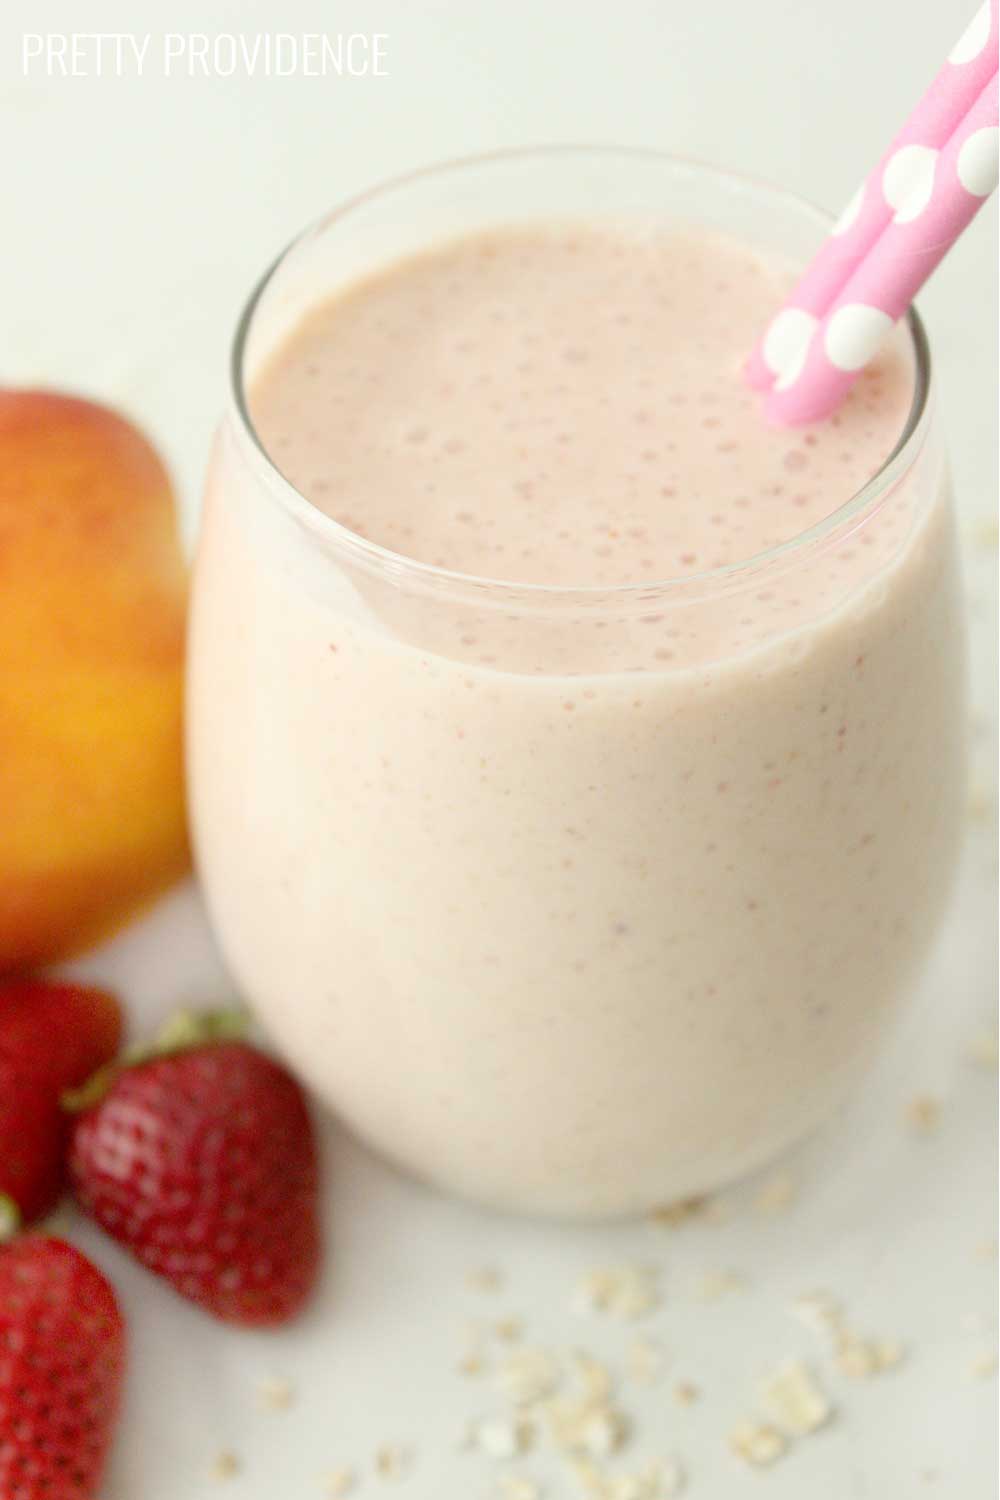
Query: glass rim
[{"x": 400, "y": 567}]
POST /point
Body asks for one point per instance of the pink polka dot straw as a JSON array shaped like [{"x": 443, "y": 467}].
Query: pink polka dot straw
[{"x": 934, "y": 177}]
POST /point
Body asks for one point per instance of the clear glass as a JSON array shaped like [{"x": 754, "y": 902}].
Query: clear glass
[{"x": 565, "y": 976}]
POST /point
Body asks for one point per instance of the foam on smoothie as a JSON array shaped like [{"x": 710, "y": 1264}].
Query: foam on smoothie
[{"x": 564, "y": 405}]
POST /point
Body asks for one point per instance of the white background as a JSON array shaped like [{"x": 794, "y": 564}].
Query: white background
[{"x": 136, "y": 215}]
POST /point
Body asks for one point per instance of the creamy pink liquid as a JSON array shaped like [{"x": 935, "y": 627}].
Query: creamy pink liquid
[
  {"x": 582, "y": 908},
  {"x": 564, "y": 409}
]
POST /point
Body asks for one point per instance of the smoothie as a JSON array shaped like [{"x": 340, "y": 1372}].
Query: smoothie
[{"x": 588, "y": 879}]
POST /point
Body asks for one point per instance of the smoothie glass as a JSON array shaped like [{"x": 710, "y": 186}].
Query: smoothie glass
[{"x": 586, "y": 963}]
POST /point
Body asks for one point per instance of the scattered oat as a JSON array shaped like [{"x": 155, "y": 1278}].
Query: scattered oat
[
  {"x": 776, "y": 1195},
  {"x": 673, "y": 1215},
  {"x": 669, "y": 1476},
  {"x": 819, "y": 1311},
  {"x": 983, "y": 1053},
  {"x": 584, "y": 1424},
  {"x": 757, "y": 1443},
  {"x": 686, "y": 1394},
  {"x": 716, "y": 1284},
  {"x": 515, "y": 1488},
  {"x": 578, "y": 1425},
  {"x": 855, "y": 1356},
  {"x": 860, "y": 1358},
  {"x": 391, "y": 1461},
  {"x": 339, "y": 1482},
  {"x": 225, "y": 1465},
  {"x": 793, "y": 1400},
  {"x": 276, "y": 1394},
  {"x": 527, "y": 1375},
  {"x": 923, "y": 1114},
  {"x": 656, "y": 1480},
  {"x": 986, "y": 1250},
  {"x": 603, "y": 1431},
  {"x": 505, "y": 1437},
  {"x": 589, "y": 1477},
  {"x": 644, "y": 1362},
  {"x": 659, "y": 1479},
  {"x": 623, "y": 1487},
  {"x": 625, "y": 1292},
  {"x": 626, "y": 1487},
  {"x": 985, "y": 1366},
  {"x": 593, "y": 1378},
  {"x": 567, "y": 1398},
  {"x": 985, "y": 533},
  {"x": 484, "y": 1279},
  {"x": 888, "y": 1354}
]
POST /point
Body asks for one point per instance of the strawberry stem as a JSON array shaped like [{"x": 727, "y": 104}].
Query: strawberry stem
[
  {"x": 191, "y": 1028},
  {"x": 181, "y": 1032},
  {"x": 10, "y": 1218}
]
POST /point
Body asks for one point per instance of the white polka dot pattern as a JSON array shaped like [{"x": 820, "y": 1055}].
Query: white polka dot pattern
[
  {"x": 900, "y": 190},
  {"x": 908, "y": 181},
  {"x": 973, "y": 40},
  {"x": 793, "y": 369},
  {"x": 850, "y": 212},
  {"x": 853, "y": 334},
  {"x": 933, "y": 195},
  {"x": 977, "y": 162},
  {"x": 787, "y": 339}
]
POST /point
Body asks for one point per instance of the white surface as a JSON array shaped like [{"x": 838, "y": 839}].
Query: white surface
[{"x": 143, "y": 210}]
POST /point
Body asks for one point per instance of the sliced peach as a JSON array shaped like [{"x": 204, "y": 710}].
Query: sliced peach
[{"x": 92, "y": 602}]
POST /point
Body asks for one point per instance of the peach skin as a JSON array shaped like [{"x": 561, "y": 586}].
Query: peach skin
[{"x": 92, "y": 604}]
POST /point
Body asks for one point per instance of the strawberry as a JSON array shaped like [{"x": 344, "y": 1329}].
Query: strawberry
[
  {"x": 203, "y": 1164},
  {"x": 52, "y": 1037},
  {"x": 33, "y": 1135},
  {"x": 62, "y": 1363},
  {"x": 65, "y": 1031}
]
